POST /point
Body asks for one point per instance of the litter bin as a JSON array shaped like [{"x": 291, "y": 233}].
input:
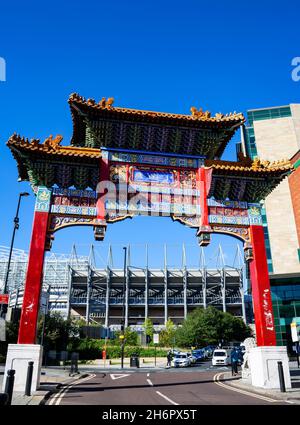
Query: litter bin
[{"x": 134, "y": 360}]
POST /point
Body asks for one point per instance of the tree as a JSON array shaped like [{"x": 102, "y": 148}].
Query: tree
[
  {"x": 210, "y": 326},
  {"x": 131, "y": 337},
  {"x": 167, "y": 335},
  {"x": 58, "y": 331},
  {"x": 148, "y": 328}
]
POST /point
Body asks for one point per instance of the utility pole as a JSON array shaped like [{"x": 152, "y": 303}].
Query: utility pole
[{"x": 16, "y": 226}]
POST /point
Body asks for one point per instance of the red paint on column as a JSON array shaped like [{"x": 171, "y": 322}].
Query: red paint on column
[
  {"x": 261, "y": 290},
  {"x": 33, "y": 283},
  {"x": 103, "y": 176},
  {"x": 203, "y": 180}
]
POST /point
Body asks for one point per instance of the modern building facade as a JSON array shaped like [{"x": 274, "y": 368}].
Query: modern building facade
[
  {"x": 78, "y": 288},
  {"x": 272, "y": 134}
]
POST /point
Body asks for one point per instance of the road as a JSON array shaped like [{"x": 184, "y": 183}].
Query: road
[{"x": 175, "y": 387}]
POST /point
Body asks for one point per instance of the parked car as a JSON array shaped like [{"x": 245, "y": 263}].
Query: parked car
[
  {"x": 199, "y": 355},
  {"x": 181, "y": 360},
  {"x": 192, "y": 357},
  {"x": 208, "y": 351},
  {"x": 221, "y": 357}
]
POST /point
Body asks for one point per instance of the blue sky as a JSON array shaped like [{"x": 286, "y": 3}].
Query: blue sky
[{"x": 159, "y": 55}]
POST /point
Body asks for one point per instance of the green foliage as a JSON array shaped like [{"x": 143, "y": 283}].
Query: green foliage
[
  {"x": 210, "y": 326},
  {"x": 91, "y": 349},
  {"x": 58, "y": 332},
  {"x": 167, "y": 335},
  {"x": 131, "y": 337},
  {"x": 148, "y": 327},
  {"x": 12, "y": 330}
]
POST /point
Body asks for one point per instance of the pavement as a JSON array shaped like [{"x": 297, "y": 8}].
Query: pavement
[
  {"x": 184, "y": 385},
  {"x": 292, "y": 395}
]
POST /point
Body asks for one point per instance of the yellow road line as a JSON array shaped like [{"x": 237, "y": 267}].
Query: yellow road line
[{"x": 229, "y": 387}]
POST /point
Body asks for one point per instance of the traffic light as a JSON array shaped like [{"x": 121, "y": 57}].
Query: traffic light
[{"x": 148, "y": 339}]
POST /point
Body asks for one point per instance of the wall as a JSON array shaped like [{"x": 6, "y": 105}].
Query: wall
[{"x": 277, "y": 139}]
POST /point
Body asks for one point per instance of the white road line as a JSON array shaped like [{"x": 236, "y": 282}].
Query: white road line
[
  {"x": 167, "y": 398},
  {"x": 149, "y": 382},
  {"x": 58, "y": 397},
  {"x": 148, "y": 374},
  {"x": 217, "y": 382},
  {"x": 118, "y": 375}
]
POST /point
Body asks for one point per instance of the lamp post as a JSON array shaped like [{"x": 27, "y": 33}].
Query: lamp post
[
  {"x": 16, "y": 226},
  {"x": 122, "y": 336}
]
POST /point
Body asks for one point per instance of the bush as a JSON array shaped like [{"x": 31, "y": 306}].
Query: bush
[{"x": 91, "y": 349}]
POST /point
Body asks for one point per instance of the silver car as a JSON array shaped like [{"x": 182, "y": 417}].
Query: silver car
[{"x": 181, "y": 360}]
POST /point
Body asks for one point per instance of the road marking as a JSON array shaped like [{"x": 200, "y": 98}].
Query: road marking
[
  {"x": 58, "y": 397},
  {"x": 228, "y": 387},
  {"x": 148, "y": 374},
  {"x": 167, "y": 398},
  {"x": 149, "y": 382},
  {"x": 118, "y": 376}
]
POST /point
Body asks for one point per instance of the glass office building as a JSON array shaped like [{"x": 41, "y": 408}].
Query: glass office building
[{"x": 286, "y": 306}]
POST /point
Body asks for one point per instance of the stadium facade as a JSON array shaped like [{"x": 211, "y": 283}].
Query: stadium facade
[{"x": 78, "y": 287}]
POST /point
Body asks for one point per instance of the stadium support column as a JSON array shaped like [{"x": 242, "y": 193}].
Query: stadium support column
[
  {"x": 146, "y": 286},
  {"x": 185, "y": 293},
  {"x": 27, "y": 349},
  {"x": 242, "y": 295},
  {"x": 146, "y": 293},
  {"x": 223, "y": 272},
  {"x": 204, "y": 286},
  {"x": 166, "y": 287},
  {"x": 108, "y": 276},
  {"x": 127, "y": 298},
  {"x": 263, "y": 358},
  {"x": 88, "y": 293}
]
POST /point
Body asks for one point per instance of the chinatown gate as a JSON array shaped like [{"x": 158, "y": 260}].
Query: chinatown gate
[{"x": 126, "y": 162}]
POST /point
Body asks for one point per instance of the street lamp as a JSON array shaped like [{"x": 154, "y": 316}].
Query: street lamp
[
  {"x": 16, "y": 226},
  {"x": 122, "y": 336}
]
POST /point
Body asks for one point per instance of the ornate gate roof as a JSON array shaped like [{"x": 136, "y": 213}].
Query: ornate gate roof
[{"x": 49, "y": 163}]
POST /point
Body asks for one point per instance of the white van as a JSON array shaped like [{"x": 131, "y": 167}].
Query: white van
[{"x": 221, "y": 357}]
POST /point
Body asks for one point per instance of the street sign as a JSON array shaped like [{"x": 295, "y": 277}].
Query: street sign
[
  {"x": 155, "y": 338},
  {"x": 4, "y": 298},
  {"x": 295, "y": 331}
]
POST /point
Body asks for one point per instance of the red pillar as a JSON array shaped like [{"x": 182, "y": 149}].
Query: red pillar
[
  {"x": 261, "y": 290},
  {"x": 103, "y": 176},
  {"x": 203, "y": 182},
  {"x": 33, "y": 283}
]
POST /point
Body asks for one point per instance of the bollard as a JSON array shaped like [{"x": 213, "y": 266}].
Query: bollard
[
  {"x": 29, "y": 379},
  {"x": 9, "y": 385},
  {"x": 3, "y": 399},
  {"x": 281, "y": 377}
]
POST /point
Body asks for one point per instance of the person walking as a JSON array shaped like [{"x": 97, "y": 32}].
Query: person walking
[
  {"x": 169, "y": 359},
  {"x": 234, "y": 361}
]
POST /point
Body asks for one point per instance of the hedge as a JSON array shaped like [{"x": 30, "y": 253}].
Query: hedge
[{"x": 91, "y": 349}]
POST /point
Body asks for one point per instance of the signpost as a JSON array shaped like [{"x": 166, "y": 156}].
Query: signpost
[{"x": 155, "y": 341}]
